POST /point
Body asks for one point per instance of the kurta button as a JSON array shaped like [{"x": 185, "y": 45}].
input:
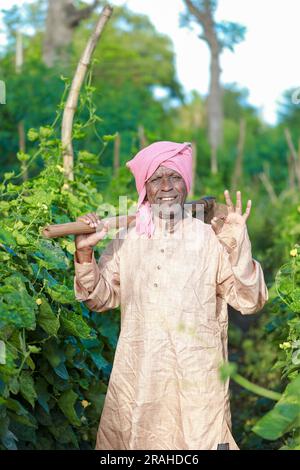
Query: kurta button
[
  {"x": 158, "y": 267},
  {"x": 162, "y": 250},
  {"x": 155, "y": 284}
]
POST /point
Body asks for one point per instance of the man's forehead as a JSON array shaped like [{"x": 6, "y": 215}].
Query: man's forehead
[{"x": 161, "y": 170}]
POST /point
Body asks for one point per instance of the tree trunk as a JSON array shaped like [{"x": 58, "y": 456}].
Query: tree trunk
[
  {"x": 215, "y": 110},
  {"x": 203, "y": 13},
  {"x": 142, "y": 137},
  {"x": 62, "y": 19},
  {"x": 238, "y": 170}
]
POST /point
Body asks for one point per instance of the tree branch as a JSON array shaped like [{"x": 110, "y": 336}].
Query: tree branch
[
  {"x": 205, "y": 18},
  {"x": 75, "y": 16}
]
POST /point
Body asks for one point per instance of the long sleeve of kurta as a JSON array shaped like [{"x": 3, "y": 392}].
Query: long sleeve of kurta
[
  {"x": 98, "y": 284},
  {"x": 240, "y": 278}
]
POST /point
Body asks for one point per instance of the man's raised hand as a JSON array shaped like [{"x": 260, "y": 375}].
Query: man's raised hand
[{"x": 235, "y": 218}]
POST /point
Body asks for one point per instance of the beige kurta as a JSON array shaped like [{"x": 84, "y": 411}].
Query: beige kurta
[{"x": 164, "y": 390}]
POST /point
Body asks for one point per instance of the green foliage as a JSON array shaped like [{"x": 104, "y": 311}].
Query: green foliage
[
  {"x": 272, "y": 349},
  {"x": 56, "y": 355},
  {"x": 284, "y": 416}
]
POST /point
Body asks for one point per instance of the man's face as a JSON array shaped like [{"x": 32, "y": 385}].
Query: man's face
[{"x": 166, "y": 189}]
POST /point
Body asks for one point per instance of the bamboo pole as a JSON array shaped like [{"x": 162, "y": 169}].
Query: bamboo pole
[
  {"x": 21, "y": 125},
  {"x": 72, "y": 100}
]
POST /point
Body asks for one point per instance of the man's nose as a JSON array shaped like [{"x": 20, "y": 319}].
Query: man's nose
[{"x": 166, "y": 184}]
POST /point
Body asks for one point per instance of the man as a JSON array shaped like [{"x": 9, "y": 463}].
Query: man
[{"x": 173, "y": 276}]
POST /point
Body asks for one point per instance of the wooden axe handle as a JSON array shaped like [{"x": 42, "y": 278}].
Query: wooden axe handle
[{"x": 81, "y": 228}]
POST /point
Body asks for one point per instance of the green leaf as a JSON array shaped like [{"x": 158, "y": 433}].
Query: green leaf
[
  {"x": 51, "y": 256},
  {"x": 43, "y": 396},
  {"x": 45, "y": 132},
  {"x": 61, "y": 371},
  {"x": 108, "y": 327},
  {"x": 18, "y": 307},
  {"x": 295, "y": 296},
  {"x": 75, "y": 325},
  {"x": 96, "y": 394},
  {"x": 32, "y": 135},
  {"x": 7, "y": 238},
  {"x": 99, "y": 361},
  {"x": 66, "y": 403},
  {"x": 30, "y": 363},
  {"x": 20, "y": 238},
  {"x": 229, "y": 369},
  {"x": 61, "y": 293},
  {"x": 109, "y": 138},
  {"x": 284, "y": 414},
  {"x": 9, "y": 441},
  {"x": 22, "y": 156},
  {"x": 53, "y": 353},
  {"x": 27, "y": 388},
  {"x": 47, "y": 319},
  {"x": 33, "y": 349},
  {"x": 9, "y": 175},
  {"x": 14, "y": 405},
  {"x": 62, "y": 431},
  {"x": 14, "y": 385},
  {"x": 39, "y": 197}
]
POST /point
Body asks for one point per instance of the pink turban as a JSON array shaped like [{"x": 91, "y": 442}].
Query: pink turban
[{"x": 176, "y": 156}]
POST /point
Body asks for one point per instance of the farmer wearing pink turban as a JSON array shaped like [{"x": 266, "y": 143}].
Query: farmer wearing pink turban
[
  {"x": 172, "y": 155},
  {"x": 164, "y": 391}
]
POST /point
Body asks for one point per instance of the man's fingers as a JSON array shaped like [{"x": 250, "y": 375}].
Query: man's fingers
[
  {"x": 248, "y": 209},
  {"x": 84, "y": 219},
  {"x": 228, "y": 201},
  {"x": 239, "y": 202},
  {"x": 93, "y": 219}
]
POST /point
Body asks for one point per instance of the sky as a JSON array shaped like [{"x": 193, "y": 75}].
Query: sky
[{"x": 266, "y": 62}]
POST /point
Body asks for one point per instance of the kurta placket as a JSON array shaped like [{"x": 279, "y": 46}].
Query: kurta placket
[{"x": 164, "y": 390}]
